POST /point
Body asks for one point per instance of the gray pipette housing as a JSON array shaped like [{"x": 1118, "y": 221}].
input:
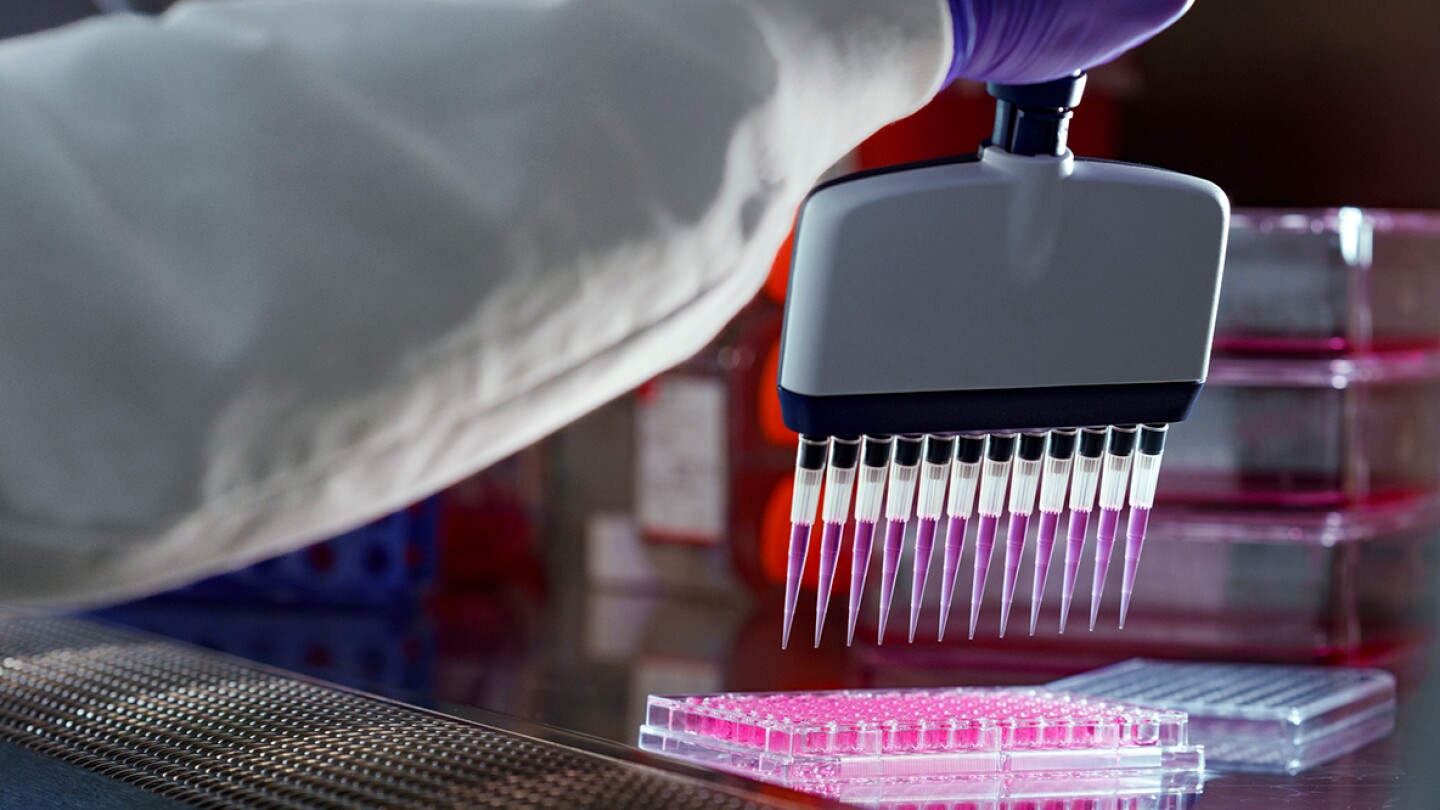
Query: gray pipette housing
[{"x": 1001, "y": 291}]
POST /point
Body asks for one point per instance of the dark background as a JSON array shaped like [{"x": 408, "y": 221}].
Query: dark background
[{"x": 1296, "y": 102}]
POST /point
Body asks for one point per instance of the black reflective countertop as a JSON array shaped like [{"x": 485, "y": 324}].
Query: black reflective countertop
[{"x": 585, "y": 661}]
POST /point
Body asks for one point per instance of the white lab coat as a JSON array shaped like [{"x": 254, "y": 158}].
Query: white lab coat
[{"x": 272, "y": 268}]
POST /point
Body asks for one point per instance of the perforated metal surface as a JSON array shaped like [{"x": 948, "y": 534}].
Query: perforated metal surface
[{"x": 212, "y": 731}]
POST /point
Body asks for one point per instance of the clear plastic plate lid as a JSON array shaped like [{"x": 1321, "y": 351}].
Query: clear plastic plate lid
[
  {"x": 1256, "y": 717},
  {"x": 932, "y": 744}
]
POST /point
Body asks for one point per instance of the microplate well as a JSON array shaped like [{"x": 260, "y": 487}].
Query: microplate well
[
  {"x": 932, "y": 744},
  {"x": 1256, "y": 717}
]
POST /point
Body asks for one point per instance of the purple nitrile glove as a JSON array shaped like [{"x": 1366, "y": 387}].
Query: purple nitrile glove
[{"x": 1031, "y": 41}]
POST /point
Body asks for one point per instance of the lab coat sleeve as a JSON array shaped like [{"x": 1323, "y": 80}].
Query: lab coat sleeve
[{"x": 272, "y": 268}]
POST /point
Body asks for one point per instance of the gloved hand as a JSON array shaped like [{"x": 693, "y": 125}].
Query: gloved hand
[{"x": 1029, "y": 41}]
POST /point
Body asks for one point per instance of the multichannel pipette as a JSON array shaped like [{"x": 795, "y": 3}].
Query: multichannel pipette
[
  {"x": 1114, "y": 478},
  {"x": 869, "y": 496},
  {"x": 959, "y": 505},
  {"x": 1120, "y": 263},
  {"x": 1143, "y": 477},
  {"x": 994, "y": 476},
  {"x": 1089, "y": 458},
  {"x": 834, "y": 512},
  {"x": 904, "y": 470},
  {"x": 1029, "y": 460},
  {"x": 1056, "y": 479},
  {"x": 933, "y": 474},
  {"x": 809, "y": 473}
]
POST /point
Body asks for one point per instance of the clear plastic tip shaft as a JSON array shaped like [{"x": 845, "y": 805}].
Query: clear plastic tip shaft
[
  {"x": 1025, "y": 484},
  {"x": 1059, "y": 458},
  {"x": 1114, "y": 479},
  {"x": 1089, "y": 458},
  {"x": 994, "y": 477},
  {"x": 904, "y": 472},
  {"x": 959, "y": 506},
  {"x": 875, "y": 454},
  {"x": 934, "y": 473},
  {"x": 839, "y": 484},
  {"x": 809, "y": 473},
  {"x": 1143, "y": 477}
]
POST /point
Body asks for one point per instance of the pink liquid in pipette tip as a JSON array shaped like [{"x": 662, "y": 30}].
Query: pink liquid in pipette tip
[
  {"x": 795, "y": 566},
  {"x": 1104, "y": 544},
  {"x": 1044, "y": 549},
  {"x": 859, "y": 561},
  {"x": 984, "y": 544},
  {"x": 924, "y": 544},
  {"x": 889, "y": 567},
  {"x": 1014, "y": 550},
  {"x": 829, "y": 554},
  {"x": 954, "y": 545},
  {"x": 1074, "y": 547},
  {"x": 1134, "y": 542}
]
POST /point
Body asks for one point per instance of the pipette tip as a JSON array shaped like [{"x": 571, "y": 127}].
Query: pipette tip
[
  {"x": 1014, "y": 550},
  {"x": 924, "y": 545},
  {"x": 860, "y": 560},
  {"x": 829, "y": 556},
  {"x": 795, "y": 567},
  {"x": 954, "y": 546},
  {"x": 1104, "y": 544},
  {"x": 984, "y": 544},
  {"x": 889, "y": 568},
  {"x": 1044, "y": 550},
  {"x": 1074, "y": 547},
  {"x": 1134, "y": 543}
]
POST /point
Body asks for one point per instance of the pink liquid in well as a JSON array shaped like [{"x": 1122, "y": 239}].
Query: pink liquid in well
[{"x": 920, "y": 721}]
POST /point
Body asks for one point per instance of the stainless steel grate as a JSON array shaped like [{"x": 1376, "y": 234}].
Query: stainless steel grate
[{"x": 215, "y": 732}]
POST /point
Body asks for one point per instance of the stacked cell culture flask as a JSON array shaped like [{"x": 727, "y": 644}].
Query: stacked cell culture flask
[{"x": 933, "y": 745}]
